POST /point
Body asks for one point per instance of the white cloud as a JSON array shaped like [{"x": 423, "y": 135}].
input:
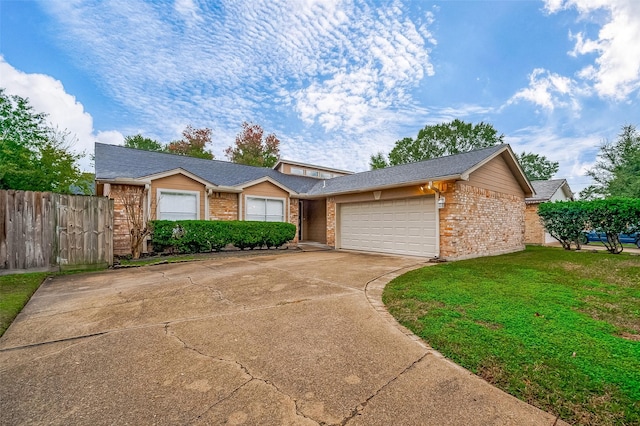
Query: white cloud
[
  {"x": 575, "y": 154},
  {"x": 616, "y": 71},
  {"x": 47, "y": 95},
  {"x": 550, "y": 90},
  {"x": 341, "y": 64}
]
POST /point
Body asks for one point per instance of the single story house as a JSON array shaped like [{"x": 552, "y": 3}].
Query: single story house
[
  {"x": 545, "y": 191},
  {"x": 454, "y": 207}
]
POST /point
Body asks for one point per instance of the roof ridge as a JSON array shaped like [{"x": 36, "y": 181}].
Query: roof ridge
[{"x": 178, "y": 155}]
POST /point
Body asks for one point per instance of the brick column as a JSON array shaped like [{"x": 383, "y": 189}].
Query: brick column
[{"x": 331, "y": 221}]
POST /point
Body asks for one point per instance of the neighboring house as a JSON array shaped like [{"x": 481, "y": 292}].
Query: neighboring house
[
  {"x": 545, "y": 190},
  {"x": 459, "y": 206}
]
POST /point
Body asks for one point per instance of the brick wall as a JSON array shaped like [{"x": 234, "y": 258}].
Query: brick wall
[
  {"x": 121, "y": 230},
  {"x": 478, "y": 222},
  {"x": 223, "y": 206},
  {"x": 294, "y": 214},
  {"x": 331, "y": 221},
  {"x": 534, "y": 232}
]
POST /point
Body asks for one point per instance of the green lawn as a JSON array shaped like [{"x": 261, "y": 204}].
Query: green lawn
[
  {"x": 558, "y": 329},
  {"x": 15, "y": 291}
]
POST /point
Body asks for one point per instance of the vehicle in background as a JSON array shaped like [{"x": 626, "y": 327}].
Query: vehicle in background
[{"x": 594, "y": 236}]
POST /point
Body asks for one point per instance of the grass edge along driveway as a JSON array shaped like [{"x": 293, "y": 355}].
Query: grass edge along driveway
[
  {"x": 557, "y": 329},
  {"x": 15, "y": 292}
]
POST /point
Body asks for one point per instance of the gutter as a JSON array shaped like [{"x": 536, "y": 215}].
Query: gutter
[{"x": 383, "y": 187}]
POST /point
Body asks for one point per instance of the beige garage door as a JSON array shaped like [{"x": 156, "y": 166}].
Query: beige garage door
[{"x": 405, "y": 226}]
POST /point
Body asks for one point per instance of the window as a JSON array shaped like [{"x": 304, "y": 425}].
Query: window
[
  {"x": 178, "y": 205},
  {"x": 326, "y": 175},
  {"x": 313, "y": 173},
  {"x": 265, "y": 209},
  {"x": 297, "y": 171}
]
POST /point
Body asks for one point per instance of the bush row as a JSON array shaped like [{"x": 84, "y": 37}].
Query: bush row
[
  {"x": 200, "y": 236},
  {"x": 567, "y": 221}
]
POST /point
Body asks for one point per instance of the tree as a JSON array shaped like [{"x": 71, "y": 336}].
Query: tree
[
  {"x": 193, "y": 143},
  {"x": 133, "y": 200},
  {"x": 253, "y": 148},
  {"x": 378, "y": 161},
  {"x": 617, "y": 169},
  {"x": 140, "y": 142},
  {"x": 33, "y": 155},
  {"x": 454, "y": 138},
  {"x": 537, "y": 167},
  {"x": 439, "y": 140}
]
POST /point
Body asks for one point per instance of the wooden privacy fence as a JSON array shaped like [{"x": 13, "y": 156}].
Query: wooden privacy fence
[{"x": 42, "y": 230}]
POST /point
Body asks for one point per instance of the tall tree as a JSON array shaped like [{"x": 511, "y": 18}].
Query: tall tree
[
  {"x": 140, "y": 142},
  {"x": 537, "y": 167},
  {"x": 378, "y": 161},
  {"x": 193, "y": 143},
  {"x": 439, "y": 140},
  {"x": 617, "y": 169},
  {"x": 456, "y": 137},
  {"x": 253, "y": 148},
  {"x": 33, "y": 155}
]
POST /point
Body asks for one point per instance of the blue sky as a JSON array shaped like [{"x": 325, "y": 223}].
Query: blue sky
[{"x": 335, "y": 80}]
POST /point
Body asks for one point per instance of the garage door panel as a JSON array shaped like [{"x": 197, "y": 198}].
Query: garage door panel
[{"x": 405, "y": 226}]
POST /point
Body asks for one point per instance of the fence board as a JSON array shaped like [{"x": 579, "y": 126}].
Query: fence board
[{"x": 39, "y": 230}]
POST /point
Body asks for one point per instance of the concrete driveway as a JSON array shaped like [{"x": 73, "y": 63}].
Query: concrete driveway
[{"x": 284, "y": 339}]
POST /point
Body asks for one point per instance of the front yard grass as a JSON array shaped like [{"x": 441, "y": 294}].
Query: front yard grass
[
  {"x": 15, "y": 292},
  {"x": 557, "y": 329}
]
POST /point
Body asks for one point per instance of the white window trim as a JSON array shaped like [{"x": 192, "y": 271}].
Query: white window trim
[
  {"x": 160, "y": 191},
  {"x": 285, "y": 207}
]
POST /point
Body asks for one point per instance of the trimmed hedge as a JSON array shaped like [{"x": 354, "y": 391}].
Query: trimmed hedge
[
  {"x": 202, "y": 236},
  {"x": 567, "y": 221}
]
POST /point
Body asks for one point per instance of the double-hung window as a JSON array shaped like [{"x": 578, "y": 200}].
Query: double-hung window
[
  {"x": 265, "y": 209},
  {"x": 178, "y": 204}
]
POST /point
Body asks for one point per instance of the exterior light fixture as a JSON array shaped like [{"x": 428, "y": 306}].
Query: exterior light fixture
[{"x": 441, "y": 201}]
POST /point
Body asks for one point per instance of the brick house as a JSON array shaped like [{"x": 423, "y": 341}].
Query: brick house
[
  {"x": 545, "y": 191},
  {"x": 460, "y": 206}
]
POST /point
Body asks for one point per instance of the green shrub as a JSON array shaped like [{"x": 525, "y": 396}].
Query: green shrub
[
  {"x": 200, "y": 236},
  {"x": 614, "y": 216},
  {"x": 567, "y": 221}
]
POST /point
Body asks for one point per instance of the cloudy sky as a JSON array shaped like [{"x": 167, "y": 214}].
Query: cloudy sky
[{"x": 335, "y": 80}]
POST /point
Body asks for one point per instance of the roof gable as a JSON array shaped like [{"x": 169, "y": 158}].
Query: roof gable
[{"x": 546, "y": 189}]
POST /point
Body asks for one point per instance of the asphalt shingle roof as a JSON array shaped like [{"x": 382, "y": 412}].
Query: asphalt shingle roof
[
  {"x": 113, "y": 161},
  {"x": 545, "y": 189},
  {"x": 422, "y": 171}
]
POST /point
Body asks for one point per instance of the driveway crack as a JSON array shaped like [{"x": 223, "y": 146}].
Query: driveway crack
[
  {"x": 356, "y": 410},
  {"x": 242, "y": 368},
  {"x": 219, "y": 296}
]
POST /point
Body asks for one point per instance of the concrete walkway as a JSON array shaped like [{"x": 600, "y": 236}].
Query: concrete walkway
[{"x": 288, "y": 339}]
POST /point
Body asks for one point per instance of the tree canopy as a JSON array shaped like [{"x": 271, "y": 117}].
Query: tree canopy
[
  {"x": 33, "y": 155},
  {"x": 455, "y": 137},
  {"x": 439, "y": 140},
  {"x": 537, "y": 167},
  {"x": 193, "y": 143},
  {"x": 140, "y": 142},
  {"x": 617, "y": 170},
  {"x": 253, "y": 148}
]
